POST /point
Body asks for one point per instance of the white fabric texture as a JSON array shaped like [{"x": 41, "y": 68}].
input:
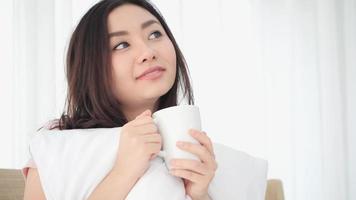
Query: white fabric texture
[{"x": 71, "y": 163}]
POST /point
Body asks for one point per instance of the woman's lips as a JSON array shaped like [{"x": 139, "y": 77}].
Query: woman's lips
[{"x": 152, "y": 75}]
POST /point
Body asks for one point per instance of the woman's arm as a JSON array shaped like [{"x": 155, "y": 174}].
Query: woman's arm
[
  {"x": 115, "y": 186},
  {"x": 33, "y": 188}
]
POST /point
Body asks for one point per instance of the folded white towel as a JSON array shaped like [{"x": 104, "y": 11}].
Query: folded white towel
[{"x": 71, "y": 163}]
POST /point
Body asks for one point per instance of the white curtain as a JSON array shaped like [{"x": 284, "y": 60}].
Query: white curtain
[{"x": 273, "y": 78}]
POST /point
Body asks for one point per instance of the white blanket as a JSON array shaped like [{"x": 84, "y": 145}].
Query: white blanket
[{"x": 72, "y": 163}]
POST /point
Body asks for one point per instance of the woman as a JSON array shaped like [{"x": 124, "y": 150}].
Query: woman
[{"x": 123, "y": 64}]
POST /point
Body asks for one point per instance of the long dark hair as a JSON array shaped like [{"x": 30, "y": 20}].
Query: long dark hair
[{"x": 90, "y": 100}]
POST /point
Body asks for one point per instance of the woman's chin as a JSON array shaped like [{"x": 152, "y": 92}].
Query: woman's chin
[{"x": 154, "y": 93}]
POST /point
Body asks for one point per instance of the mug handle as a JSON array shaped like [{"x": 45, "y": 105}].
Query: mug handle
[{"x": 161, "y": 153}]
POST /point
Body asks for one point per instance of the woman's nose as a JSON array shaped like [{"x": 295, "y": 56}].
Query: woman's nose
[{"x": 147, "y": 54}]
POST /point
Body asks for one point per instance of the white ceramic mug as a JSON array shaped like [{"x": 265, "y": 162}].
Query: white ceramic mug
[{"x": 173, "y": 124}]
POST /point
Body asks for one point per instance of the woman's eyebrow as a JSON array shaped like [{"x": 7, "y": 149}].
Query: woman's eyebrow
[{"x": 143, "y": 26}]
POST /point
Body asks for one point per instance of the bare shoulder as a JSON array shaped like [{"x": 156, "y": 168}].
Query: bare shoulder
[{"x": 33, "y": 187}]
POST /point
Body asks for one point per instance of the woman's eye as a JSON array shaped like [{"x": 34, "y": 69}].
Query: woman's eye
[
  {"x": 156, "y": 34},
  {"x": 121, "y": 45}
]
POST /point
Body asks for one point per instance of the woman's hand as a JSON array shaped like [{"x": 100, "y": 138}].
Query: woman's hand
[
  {"x": 139, "y": 142},
  {"x": 196, "y": 175}
]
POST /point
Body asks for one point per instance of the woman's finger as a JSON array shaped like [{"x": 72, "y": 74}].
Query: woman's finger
[
  {"x": 189, "y": 164},
  {"x": 142, "y": 121},
  {"x": 155, "y": 138},
  {"x": 146, "y": 129},
  {"x": 186, "y": 174},
  {"x": 197, "y": 149},
  {"x": 203, "y": 139}
]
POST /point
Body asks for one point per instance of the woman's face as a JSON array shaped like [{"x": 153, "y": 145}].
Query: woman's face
[{"x": 139, "y": 43}]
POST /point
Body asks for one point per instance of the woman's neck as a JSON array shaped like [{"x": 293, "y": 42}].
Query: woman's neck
[{"x": 132, "y": 112}]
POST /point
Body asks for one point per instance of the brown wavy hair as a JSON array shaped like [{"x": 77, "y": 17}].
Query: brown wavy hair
[{"x": 90, "y": 101}]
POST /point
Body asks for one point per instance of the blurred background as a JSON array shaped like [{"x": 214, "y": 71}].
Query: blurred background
[{"x": 273, "y": 78}]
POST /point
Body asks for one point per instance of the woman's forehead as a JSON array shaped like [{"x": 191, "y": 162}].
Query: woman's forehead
[{"x": 128, "y": 16}]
